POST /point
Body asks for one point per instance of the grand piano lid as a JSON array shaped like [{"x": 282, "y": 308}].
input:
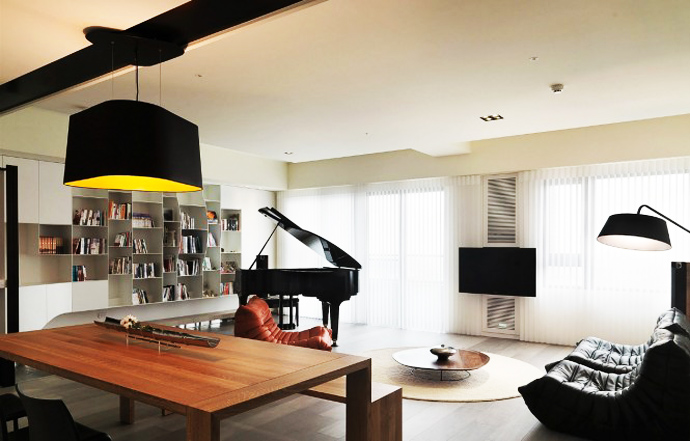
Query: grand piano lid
[{"x": 318, "y": 244}]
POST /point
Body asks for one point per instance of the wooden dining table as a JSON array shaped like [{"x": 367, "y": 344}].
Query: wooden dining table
[{"x": 204, "y": 384}]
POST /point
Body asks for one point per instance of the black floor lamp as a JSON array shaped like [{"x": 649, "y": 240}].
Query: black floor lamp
[{"x": 648, "y": 233}]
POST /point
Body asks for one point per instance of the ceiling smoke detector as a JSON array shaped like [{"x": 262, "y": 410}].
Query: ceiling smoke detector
[{"x": 557, "y": 88}]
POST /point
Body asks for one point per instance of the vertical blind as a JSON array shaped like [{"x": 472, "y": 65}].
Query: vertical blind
[
  {"x": 406, "y": 236},
  {"x": 587, "y": 288}
]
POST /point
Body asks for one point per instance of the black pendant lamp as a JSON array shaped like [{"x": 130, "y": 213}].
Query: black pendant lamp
[
  {"x": 638, "y": 231},
  {"x": 132, "y": 145}
]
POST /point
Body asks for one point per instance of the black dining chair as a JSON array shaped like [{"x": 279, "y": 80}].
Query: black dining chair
[
  {"x": 50, "y": 420},
  {"x": 11, "y": 409}
]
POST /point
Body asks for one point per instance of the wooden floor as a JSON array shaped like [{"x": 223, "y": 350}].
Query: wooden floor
[{"x": 304, "y": 418}]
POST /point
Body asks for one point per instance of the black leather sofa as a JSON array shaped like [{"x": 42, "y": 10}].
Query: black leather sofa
[{"x": 607, "y": 391}]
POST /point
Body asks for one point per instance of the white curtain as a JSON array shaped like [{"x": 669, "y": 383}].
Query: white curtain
[
  {"x": 404, "y": 234},
  {"x": 587, "y": 288}
]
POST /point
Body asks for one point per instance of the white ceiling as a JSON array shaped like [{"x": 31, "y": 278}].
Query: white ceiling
[{"x": 351, "y": 77}]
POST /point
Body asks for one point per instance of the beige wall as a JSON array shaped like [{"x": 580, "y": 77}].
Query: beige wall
[
  {"x": 42, "y": 134},
  {"x": 654, "y": 138}
]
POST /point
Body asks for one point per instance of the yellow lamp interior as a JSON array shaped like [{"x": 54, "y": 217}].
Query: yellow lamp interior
[{"x": 133, "y": 183}]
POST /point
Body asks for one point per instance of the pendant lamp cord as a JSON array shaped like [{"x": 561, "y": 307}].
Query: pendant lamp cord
[
  {"x": 112, "y": 70},
  {"x": 160, "y": 78},
  {"x": 136, "y": 62}
]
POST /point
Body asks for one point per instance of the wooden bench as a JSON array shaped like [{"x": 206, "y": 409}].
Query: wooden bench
[{"x": 386, "y": 406}]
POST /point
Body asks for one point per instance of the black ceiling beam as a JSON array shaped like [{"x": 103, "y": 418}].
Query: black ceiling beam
[{"x": 183, "y": 25}]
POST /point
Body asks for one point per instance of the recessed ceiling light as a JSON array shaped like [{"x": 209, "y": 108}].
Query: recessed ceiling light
[
  {"x": 533, "y": 58},
  {"x": 288, "y": 153},
  {"x": 557, "y": 88},
  {"x": 488, "y": 118}
]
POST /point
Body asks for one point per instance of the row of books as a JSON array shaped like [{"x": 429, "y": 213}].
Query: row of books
[
  {"x": 88, "y": 217},
  {"x": 191, "y": 244},
  {"x": 226, "y": 289},
  {"x": 88, "y": 245},
  {"x": 186, "y": 220},
  {"x": 169, "y": 264},
  {"x": 139, "y": 297},
  {"x": 142, "y": 220},
  {"x": 78, "y": 273},
  {"x": 175, "y": 292},
  {"x": 231, "y": 223},
  {"x": 120, "y": 265},
  {"x": 140, "y": 246},
  {"x": 119, "y": 211},
  {"x": 50, "y": 245},
  {"x": 144, "y": 270},
  {"x": 123, "y": 239},
  {"x": 188, "y": 267}
]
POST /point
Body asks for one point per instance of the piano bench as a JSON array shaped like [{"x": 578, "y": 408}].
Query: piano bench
[
  {"x": 287, "y": 302},
  {"x": 386, "y": 406}
]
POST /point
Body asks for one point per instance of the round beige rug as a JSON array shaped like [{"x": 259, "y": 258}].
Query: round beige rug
[{"x": 497, "y": 380}]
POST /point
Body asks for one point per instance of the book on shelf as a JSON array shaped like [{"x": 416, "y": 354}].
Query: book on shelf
[
  {"x": 139, "y": 297},
  {"x": 119, "y": 210},
  {"x": 120, "y": 265},
  {"x": 78, "y": 273},
  {"x": 211, "y": 240},
  {"x": 50, "y": 245},
  {"x": 206, "y": 264},
  {"x": 188, "y": 267},
  {"x": 191, "y": 244},
  {"x": 88, "y": 245},
  {"x": 230, "y": 223},
  {"x": 145, "y": 270},
  {"x": 88, "y": 217},
  {"x": 175, "y": 292},
  {"x": 142, "y": 220},
  {"x": 169, "y": 264},
  {"x": 186, "y": 220},
  {"x": 123, "y": 239},
  {"x": 140, "y": 246},
  {"x": 226, "y": 289}
]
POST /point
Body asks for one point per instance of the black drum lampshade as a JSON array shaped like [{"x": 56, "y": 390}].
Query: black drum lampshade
[
  {"x": 635, "y": 232},
  {"x": 132, "y": 145}
]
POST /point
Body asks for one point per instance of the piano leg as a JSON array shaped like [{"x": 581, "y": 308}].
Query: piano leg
[
  {"x": 335, "y": 312},
  {"x": 324, "y": 313}
]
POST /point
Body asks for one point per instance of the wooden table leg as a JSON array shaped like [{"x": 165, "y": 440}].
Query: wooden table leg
[
  {"x": 126, "y": 410},
  {"x": 358, "y": 405},
  {"x": 202, "y": 426}
]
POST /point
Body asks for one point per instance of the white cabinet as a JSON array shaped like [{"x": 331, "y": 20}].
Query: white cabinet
[
  {"x": 58, "y": 299},
  {"x": 28, "y": 187},
  {"x": 38, "y": 304},
  {"x": 55, "y": 199},
  {"x": 92, "y": 294},
  {"x": 32, "y": 307}
]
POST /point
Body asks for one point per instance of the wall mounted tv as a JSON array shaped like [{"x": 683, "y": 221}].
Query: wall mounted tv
[{"x": 509, "y": 271}]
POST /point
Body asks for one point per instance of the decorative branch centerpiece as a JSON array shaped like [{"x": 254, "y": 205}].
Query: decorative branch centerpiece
[{"x": 133, "y": 327}]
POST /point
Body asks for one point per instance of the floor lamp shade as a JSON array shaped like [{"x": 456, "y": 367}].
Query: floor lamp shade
[
  {"x": 635, "y": 232},
  {"x": 132, "y": 145}
]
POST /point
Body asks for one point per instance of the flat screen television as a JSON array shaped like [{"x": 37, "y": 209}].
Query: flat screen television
[{"x": 508, "y": 271}]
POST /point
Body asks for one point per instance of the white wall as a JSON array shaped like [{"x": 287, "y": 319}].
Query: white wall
[{"x": 648, "y": 139}]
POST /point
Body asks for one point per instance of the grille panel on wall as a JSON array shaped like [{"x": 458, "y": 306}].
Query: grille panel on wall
[
  {"x": 500, "y": 314},
  {"x": 501, "y": 197}
]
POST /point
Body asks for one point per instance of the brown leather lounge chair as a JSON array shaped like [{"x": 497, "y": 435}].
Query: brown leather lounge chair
[{"x": 254, "y": 320}]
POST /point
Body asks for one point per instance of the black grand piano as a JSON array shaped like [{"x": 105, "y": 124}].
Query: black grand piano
[{"x": 330, "y": 285}]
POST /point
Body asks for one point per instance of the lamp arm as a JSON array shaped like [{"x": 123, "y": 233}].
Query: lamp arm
[{"x": 665, "y": 217}]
